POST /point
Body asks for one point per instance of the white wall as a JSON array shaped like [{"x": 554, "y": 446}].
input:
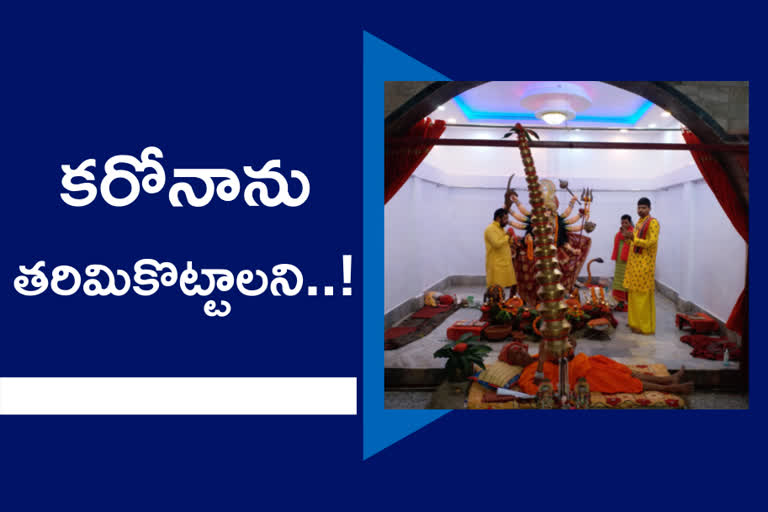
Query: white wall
[
  {"x": 433, "y": 231},
  {"x": 701, "y": 256},
  {"x": 402, "y": 269},
  {"x": 672, "y": 211}
]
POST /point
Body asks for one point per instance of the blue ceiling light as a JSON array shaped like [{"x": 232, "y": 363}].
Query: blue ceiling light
[
  {"x": 645, "y": 107},
  {"x": 476, "y": 115}
]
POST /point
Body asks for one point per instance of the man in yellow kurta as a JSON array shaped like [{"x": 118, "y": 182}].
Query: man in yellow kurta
[
  {"x": 498, "y": 256},
  {"x": 639, "y": 278}
]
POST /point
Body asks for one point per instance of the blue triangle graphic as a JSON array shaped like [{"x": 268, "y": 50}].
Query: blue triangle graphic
[{"x": 381, "y": 62}]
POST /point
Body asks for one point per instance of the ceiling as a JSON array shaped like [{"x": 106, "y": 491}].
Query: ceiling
[
  {"x": 499, "y": 103},
  {"x": 487, "y": 111}
]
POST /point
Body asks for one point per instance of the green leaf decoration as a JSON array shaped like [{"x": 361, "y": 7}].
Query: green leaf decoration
[
  {"x": 446, "y": 351},
  {"x": 531, "y": 132}
]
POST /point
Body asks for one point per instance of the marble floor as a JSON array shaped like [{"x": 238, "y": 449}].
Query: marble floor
[{"x": 624, "y": 346}]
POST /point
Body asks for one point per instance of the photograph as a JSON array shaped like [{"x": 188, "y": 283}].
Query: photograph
[{"x": 565, "y": 244}]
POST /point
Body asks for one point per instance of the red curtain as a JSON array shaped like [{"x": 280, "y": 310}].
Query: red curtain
[
  {"x": 743, "y": 159},
  {"x": 726, "y": 195},
  {"x": 400, "y": 160}
]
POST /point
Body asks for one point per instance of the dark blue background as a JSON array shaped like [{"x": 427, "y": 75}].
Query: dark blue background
[
  {"x": 207, "y": 98},
  {"x": 219, "y": 87}
]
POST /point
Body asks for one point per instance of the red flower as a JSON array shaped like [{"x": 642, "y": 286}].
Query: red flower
[
  {"x": 613, "y": 401},
  {"x": 526, "y": 314},
  {"x": 672, "y": 402},
  {"x": 460, "y": 347},
  {"x": 643, "y": 401}
]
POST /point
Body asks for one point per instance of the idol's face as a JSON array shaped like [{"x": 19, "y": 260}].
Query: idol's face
[
  {"x": 643, "y": 210},
  {"x": 625, "y": 224}
]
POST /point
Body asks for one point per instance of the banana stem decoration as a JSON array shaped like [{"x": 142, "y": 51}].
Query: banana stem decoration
[{"x": 554, "y": 327}]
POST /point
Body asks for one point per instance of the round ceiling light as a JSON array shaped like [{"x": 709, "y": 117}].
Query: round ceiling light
[
  {"x": 555, "y": 102},
  {"x": 554, "y": 117}
]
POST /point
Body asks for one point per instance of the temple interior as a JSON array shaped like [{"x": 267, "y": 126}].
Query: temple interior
[{"x": 434, "y": 243}]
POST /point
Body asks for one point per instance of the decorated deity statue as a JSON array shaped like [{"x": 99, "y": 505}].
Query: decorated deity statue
[
  {"x": 572, "y": 246},
  {"x": 545, "y": 397},
  {"x": 582, "y": 395},
  {"x": 560, "y": 222},
  {"x": 494, "y": 295}
]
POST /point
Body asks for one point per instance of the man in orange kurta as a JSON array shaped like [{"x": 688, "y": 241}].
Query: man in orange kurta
[{"x": 604, "y": 375}]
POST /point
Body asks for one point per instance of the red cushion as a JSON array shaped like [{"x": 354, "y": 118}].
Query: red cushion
[
  {"x": 458, "y": 329},
  {"x": 396, "y": 332},
  {"x": 429, "y": 312}
]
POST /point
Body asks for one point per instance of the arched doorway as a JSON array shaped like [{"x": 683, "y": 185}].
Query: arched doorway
[{"x": 692, "y": 115}]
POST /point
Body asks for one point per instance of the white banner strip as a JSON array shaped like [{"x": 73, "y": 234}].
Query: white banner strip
[{"x": 178, "y": 395}]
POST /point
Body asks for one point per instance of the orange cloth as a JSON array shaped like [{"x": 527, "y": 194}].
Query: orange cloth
[
  {"x": 603, "y": 374},
  {"x": 529, "y": 247}
]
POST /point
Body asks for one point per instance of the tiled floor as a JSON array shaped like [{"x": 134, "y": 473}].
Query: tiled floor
[
  {"x": 702, "y": 400},
  {"x": 625, "y": 347},
  {"x": 709, "y": 400},
  {"x": 407, "y": 399}
]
